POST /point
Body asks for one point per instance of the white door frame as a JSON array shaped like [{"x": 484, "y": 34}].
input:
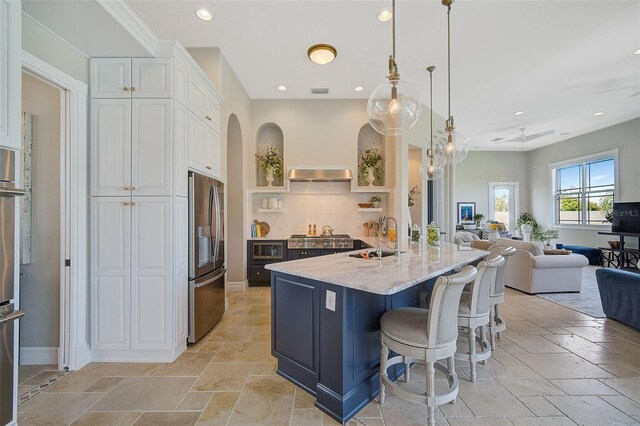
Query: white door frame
[
  {"x": 74, "y": 351},
  {"x": 516, "y": 200}
]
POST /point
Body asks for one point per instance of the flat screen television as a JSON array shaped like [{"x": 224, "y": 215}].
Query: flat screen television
[{"x": 626, "y": 217}]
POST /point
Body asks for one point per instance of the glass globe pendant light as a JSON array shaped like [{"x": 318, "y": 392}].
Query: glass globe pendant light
[
  {"x": 450, "y": 146},
  {"x": 393, "y": 107},
  {"x": 433, "y": 168}
]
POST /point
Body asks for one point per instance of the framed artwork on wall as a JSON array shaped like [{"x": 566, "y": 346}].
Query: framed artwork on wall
[{"x": 466, "y": 211}]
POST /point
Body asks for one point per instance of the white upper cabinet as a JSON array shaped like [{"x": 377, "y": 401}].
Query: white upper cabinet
[
  {"x": 151, "y": 147},
  {"x": 110, "y": 78},
  {"x": 198, "y": 155},
  {"x": 151, "y": 78},
  {"x": 181, "y": 150},
  {"x": 126, "y": 78},
  {"x": 110, "y": 147},
  {"x": 10, "y": 74},
  {"x": 212, "y": 112},
  {"x": 197, "y": 98},
  {"x": 182, "y": 84}
]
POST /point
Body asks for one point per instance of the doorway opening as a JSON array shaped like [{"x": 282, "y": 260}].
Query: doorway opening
[
  {"x": 504, "y": 202},
  {"x": 417, "y": 201},
  {"x": 236, "y": 252}
]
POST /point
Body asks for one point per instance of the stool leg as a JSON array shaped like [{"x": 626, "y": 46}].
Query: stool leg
[
  {"x": 485, "y": 342},
  {"x": 451, "y": 366},
  {"x": 406, "y": 368},
  {"x": 472, "y": 352},
  {"x": 384, "y": 355},
  {"x": 498, "y": 317},
  {"x": 492, "y": 327},
  {"x": 431, "y": 392}
]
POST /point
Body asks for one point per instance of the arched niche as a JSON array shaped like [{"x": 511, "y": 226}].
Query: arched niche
[
  {"x": 268, "y": 134},
  {"x": 369, "y": 138}
]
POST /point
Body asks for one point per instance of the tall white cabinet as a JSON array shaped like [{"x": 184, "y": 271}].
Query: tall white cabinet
[
  {"x": 142, "y": 147},
  {"x": 10, "y": 70}
]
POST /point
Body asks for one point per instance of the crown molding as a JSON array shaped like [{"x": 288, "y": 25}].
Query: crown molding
[{"x": 132, "y": 23}]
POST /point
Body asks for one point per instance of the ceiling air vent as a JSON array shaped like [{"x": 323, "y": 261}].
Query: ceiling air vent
[
  {"x": 496, "y": 139},
  {"x": 319, "y": 90}
]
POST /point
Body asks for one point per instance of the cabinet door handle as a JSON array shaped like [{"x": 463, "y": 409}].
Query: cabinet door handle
[
  {"x": 208, "y": 167},
  {"x": 125, "y": 88},
  {"x": 125, "y": 204},
  {"x": 208, "y": 118},
  {"x": 133, "y": 203},
  {"x": 133, "y": 188},
  {"x": 133, "y": 89},
  {"x": 126, "y": 188}
]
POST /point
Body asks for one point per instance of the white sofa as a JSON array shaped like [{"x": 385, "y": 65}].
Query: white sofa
[{"x": 531, "y": 271}]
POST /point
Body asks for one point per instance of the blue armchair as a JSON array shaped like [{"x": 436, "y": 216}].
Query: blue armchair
[{"x": 620, "y": 295}]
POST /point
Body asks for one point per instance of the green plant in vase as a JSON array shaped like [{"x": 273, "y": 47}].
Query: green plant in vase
[
  {"x": 478, "y": 218},
  {"x": 370, "y": 167},
  {"x": 375, "y": 200},
  {"x": 412, "y": 195},
  {"x": 270, "y": 163}
]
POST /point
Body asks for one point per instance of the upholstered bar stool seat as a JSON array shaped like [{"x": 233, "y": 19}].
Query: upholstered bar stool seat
[
  {"x": 473, "y": 313},
  {"x": 425, "y": 336},
  {"x": 497, "y": 324}
]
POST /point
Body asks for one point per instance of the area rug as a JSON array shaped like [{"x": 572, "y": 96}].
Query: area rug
[{"x": 587, "y": 301}]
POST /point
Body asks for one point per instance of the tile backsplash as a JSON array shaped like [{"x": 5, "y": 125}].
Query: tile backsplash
[{"x": 316, "y": 203}]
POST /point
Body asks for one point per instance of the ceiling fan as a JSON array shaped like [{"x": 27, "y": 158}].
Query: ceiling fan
[{"x": 527, "y": 138}]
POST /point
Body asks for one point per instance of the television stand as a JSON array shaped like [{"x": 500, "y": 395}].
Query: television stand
[{"x": 621, "y": 257}]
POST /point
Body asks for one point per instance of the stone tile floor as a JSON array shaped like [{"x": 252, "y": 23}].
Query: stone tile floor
[{"x": 553, "y": 366}]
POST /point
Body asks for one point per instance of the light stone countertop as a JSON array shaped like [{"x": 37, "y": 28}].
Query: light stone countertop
[{"x": 387, "y": 276}]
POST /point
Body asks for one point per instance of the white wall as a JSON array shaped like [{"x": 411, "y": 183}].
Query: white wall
[
  {"x": 44, "y": 44},
  {"x": 624, "y": 136},
  {"x": 473, "y": 175},
  {"x": 40, "y": 282}
]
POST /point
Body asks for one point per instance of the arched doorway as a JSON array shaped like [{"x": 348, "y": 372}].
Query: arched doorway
[{"x": 236, "y": 253}]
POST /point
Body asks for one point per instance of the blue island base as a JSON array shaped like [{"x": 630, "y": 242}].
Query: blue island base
[{"x": 333, "y": 355}]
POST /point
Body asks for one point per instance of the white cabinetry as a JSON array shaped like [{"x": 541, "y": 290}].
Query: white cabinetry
[
  {"x": 131, "y": 273},
  {"x": 10, "y": 74},
  {"x": 204, "y": 147},
  {"x": 131, "y": 78},
  {"x": 131, "y": 147}
]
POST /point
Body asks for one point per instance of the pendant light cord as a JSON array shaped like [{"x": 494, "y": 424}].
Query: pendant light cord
[
  {"x": 449, "y": 55},
  {"x": 431, "y": 108},
  {"x": 393, "y": 27}
]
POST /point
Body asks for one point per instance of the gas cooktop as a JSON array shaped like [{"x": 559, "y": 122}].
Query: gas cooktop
[{"x": 337, "y": 241}]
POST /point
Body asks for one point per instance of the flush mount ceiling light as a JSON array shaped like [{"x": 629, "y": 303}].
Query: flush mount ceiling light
[
  {"x": 637, "y": 52},
  {"x": 282, "y": 88},
  {"x": 384, "y": 15},
  {"x": 599, "y": 113},
  {"x": 450, "y": 146},
  {"x": 434, "y": 169},
  {"x": 358, "y": 88},
  {"x": 518, "y": 113},
  {"x": 393, "y": 107},
  {"x": 204, "y": 14},
  {"x": 322, "y": 54}
]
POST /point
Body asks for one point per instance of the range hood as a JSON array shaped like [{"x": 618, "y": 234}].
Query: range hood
[{"x": 320, "y": 175}]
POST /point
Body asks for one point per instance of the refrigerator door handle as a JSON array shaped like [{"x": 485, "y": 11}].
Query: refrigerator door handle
[
  {"x": 11, "y": 192},
  {"x": 217, "y": 201},
  {"x": 212, "y": 200},
  {"x": 211, "y": 280},
  {"x": 12, "y": 316}
]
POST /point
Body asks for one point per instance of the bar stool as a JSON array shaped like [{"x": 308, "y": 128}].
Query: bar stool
[
  {"x": 425, "y": 336},
  {"x": 497, "y": 324},
  {"x": 473, "y": 312}
]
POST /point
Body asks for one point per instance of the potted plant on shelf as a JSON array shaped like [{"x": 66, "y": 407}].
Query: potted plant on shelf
[
  {"x": 546, "y": 237},
  {"x": 526, "y": 224},
  {"x": 270, "y": 163},
  {"x": 412, "y": 194},
  {"x": 375, "y": 201},
  {"x": 478, "y": 218},
  {"x": 370, "y": 168}
]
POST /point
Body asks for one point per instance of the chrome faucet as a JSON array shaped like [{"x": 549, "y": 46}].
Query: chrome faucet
[{"x": 396, "y": 249}]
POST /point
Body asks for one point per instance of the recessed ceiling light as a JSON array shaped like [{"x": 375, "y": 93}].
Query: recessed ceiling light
[
  {"x": 384, "y": 15},
  {"x": 358, "y": 88},
  {"x": 599, "y": 113},
  {"x": 282, "y": 88},
  {"x": 322, "y": 54},
  {"x": 204, "y": 14},
  {"x": 637, "y": 52},
  {"x": 518, "y": 113}
]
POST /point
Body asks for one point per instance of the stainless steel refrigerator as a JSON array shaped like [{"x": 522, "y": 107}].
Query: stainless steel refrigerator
[
  {"x": 8, "y": 314},
  {"x": 206, "y": 254}
]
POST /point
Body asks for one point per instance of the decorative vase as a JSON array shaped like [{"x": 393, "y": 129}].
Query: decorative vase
[
  {"x": 494, "y": 234},
  {"x": 269, "y": 177},
  {"x": 370, "y": 176}
]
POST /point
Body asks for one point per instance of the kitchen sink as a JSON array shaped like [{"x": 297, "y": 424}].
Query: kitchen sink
[{"x": 373, "y": 255}]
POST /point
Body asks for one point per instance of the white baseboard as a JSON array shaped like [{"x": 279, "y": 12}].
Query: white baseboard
[
  {"x": 38, "y": 356},
  {"x": 237, "y": 286}
]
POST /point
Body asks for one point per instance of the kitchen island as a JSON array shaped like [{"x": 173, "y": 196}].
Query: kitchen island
[{"x": 326, "y": 313}]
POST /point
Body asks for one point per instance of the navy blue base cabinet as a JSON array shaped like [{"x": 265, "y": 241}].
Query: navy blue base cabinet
[{"x": 333, "y": 355}]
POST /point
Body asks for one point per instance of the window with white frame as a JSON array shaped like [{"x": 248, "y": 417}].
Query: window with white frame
[{"x": 584, "y": 189}]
